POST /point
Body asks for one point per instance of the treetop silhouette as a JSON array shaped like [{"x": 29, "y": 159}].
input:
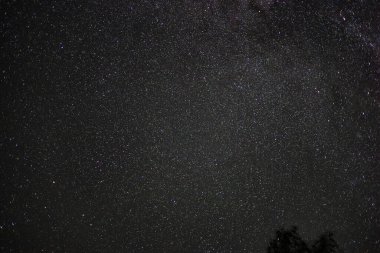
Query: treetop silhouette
[{"x": 289, "y": 241}]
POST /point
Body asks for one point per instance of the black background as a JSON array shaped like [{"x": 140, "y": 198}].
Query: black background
[{"x": 189, "y": 126}]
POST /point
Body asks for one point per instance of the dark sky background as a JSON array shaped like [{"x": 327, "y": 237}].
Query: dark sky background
[{"x": 188, "y": 126}]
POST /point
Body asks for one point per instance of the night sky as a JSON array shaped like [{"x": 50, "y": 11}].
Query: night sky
[{"x": 188, "y": 126}]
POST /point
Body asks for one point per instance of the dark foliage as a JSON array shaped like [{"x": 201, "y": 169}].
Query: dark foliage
[
  {"x": 289, "y": 241},
  {"x": 326, "y": 244}
]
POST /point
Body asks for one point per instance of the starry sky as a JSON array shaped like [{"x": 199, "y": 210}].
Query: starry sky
[{"x": 188, "y": 126}]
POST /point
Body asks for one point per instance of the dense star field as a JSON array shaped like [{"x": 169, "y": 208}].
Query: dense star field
[{"x": 188, "y": 126}]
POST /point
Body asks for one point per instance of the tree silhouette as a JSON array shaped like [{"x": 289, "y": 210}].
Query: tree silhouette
[
  {"x": 289, "y": 241},
  {"x": 326, "y": 244}
]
